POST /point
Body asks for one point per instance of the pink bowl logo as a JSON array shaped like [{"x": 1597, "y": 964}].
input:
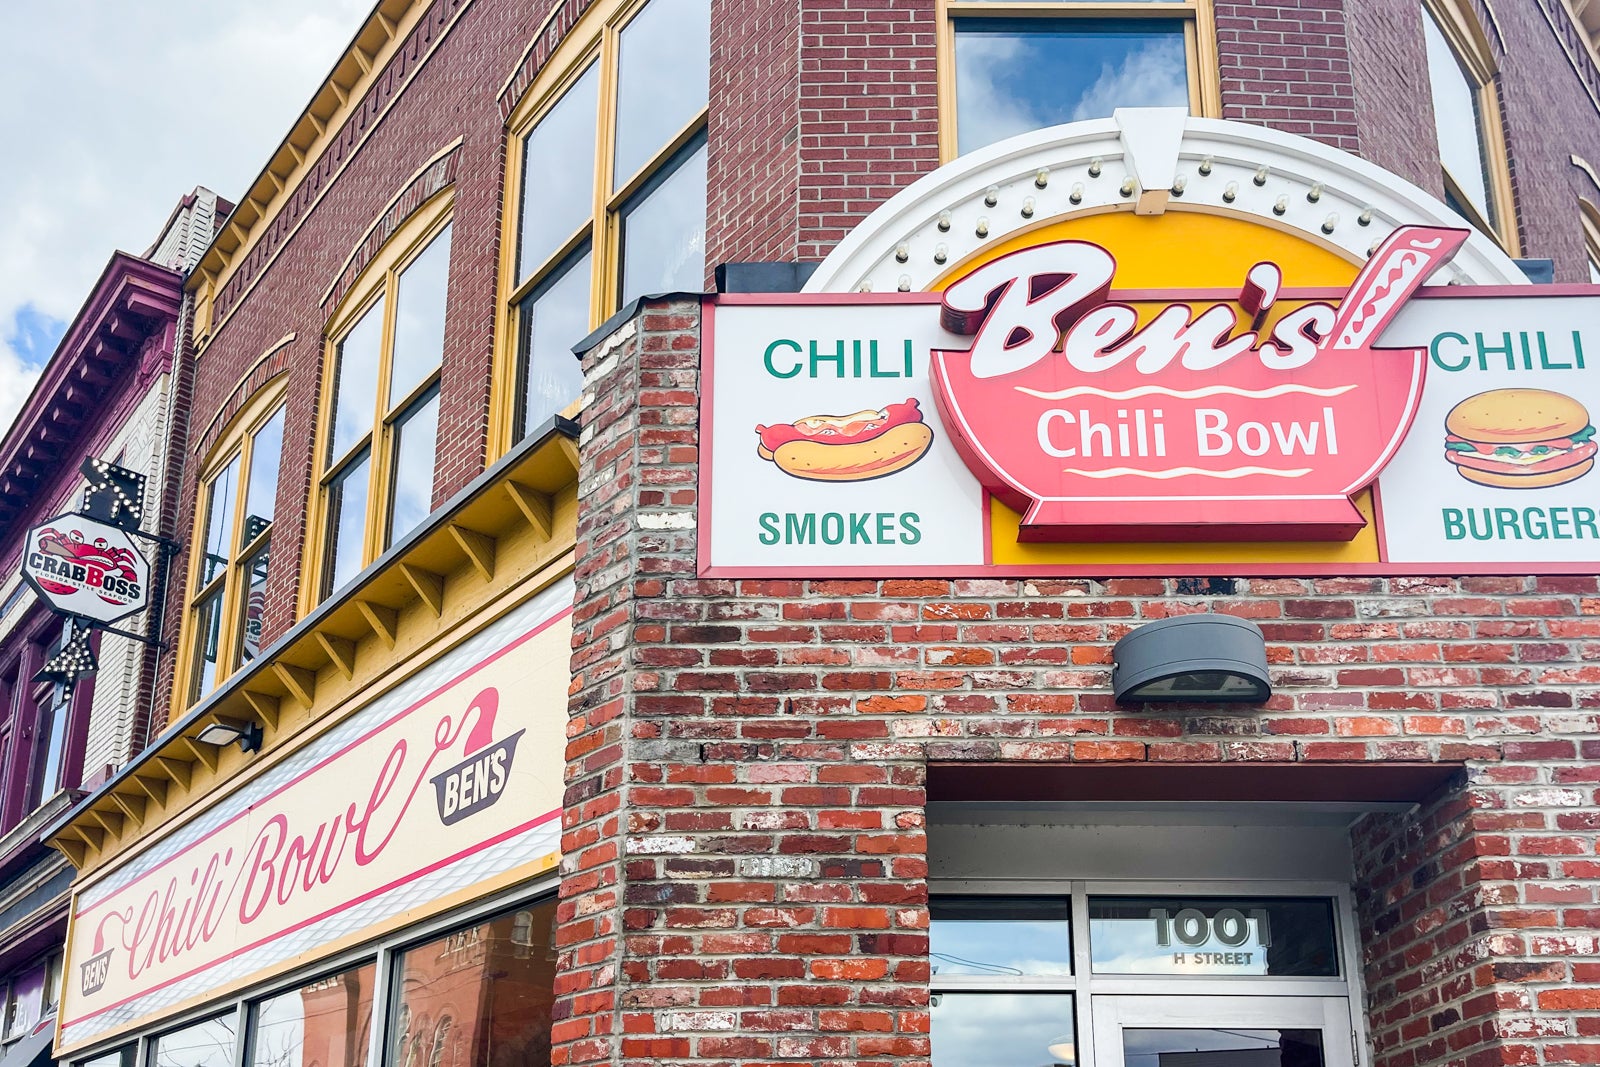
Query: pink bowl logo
[{"x": 1099, "y": 424}]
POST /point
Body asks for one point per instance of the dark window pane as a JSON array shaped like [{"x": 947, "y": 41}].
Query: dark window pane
[
  {"x": 1003, "y": 1030},
  {"x": 355, "y": 379},
  {"x": 553, "y": 319},
  {"x": 323, "y": 1024},
  {"x": 24, "y": 1002},
  {"x": 1000, "y": 936},
  {"x": 1212, "y": 936},
  {"x": 1213, "y": 1048},
  {"x": 1017, "y": 75},
  {"x": 419, "y": 319},
  {"x": 255, "y": 602},
  {"x": 221, "y": 496},
  {"x": 415, "y": 434},
  {"x": 347, "y": 521},
  {"x": 664, "y": 233},
  {"x": 494, "y": 981},
  {"x": 260, "y": 498},
  {"x": 205, "y": 1044},
  {"x": 663, "y": 73},
  {"x": 121, "y": 1057},
  {"x": 558, "y": 173},
  {"x": 208, "y": 634}
]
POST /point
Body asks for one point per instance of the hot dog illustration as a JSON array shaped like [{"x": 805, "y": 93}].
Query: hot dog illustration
[{"x": 848, "y": 448}]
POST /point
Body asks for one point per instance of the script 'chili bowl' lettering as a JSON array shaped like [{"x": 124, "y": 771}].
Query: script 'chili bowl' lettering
[{"x": 1190, "y": 420}]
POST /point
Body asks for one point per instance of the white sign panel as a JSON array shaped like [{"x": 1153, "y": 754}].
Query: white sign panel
[
  {"x": 81, "y": 566},
  {"x": 826, "y": 451},
  {"x": 1499, "y": 464},
  {"x": 449, "y": 779}
]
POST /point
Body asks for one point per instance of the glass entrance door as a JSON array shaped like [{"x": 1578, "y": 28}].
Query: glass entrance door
[{"x": 1222, "y": 1031}]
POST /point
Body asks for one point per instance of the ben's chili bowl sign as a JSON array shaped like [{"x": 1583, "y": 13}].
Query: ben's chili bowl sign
[
  {"x": 469, "y": 768},
  {"x": 1185, "y": 424}
]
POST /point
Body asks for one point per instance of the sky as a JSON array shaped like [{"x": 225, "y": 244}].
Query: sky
[{"x": 110, "y": 111}]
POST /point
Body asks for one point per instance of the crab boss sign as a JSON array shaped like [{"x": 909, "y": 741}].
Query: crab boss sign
[
  {"x": 81, "y": 566},
  {"x": 1102, "y": 423}
]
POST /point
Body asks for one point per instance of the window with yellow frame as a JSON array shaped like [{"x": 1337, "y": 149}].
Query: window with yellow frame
[
  {"x": 1590, "y": 215},
  {"x": 380, "y": 402},
  {"x": 606, "y": 193},
  {"x": 1011, "y": 67},
  {"x": 233, "y": 545},
  {"x": 1466, "y": 115}
]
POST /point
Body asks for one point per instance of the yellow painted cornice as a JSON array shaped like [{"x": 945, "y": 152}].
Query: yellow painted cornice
[{"x": 340, "y": 93}]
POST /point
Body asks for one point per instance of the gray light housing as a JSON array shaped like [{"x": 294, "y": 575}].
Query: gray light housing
[{"x": 1192, "y": 658}]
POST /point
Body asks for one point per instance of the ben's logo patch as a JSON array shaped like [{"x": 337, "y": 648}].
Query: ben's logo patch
[{"x": 480, "y": 780}]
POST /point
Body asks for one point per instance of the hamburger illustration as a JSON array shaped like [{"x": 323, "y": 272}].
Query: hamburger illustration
[
  {"x": 847, "y": 448},
  {"x": 1520, "y": 438}
]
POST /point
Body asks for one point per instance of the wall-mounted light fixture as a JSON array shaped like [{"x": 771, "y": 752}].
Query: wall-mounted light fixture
[
  {"x": 1196, "y": 658},
  {"x": 222, "y": 732}
]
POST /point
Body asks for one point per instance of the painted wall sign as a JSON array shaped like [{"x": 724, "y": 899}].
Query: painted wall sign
[
  {"x": 449, "y": 779},
  {"x": 1192, "y": 423},
  {"x": 1035, "y": 400},
  {"x": 81, "y": 566}
]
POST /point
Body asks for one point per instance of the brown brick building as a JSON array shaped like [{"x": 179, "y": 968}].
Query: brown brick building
[{"x": 877, "y": 805}]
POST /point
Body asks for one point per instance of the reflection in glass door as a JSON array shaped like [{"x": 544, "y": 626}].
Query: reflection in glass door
[
  {"x": 1207, "y": 1031},
  {"x": 1222, "y": 1048}
]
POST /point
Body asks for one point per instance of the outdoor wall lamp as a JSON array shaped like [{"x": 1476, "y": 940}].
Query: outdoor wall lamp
[
  {"x": 222, "y": 732},
  {"x": 1195, "y": 658}
]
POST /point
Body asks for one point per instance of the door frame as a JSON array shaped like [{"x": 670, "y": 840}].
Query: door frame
[{"x": 1333, "y": 1015}]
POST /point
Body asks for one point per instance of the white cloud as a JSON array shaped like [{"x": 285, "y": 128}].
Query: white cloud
[
  {"x": 112, "y": 111},
  {"x": 1148, "y": 76}
]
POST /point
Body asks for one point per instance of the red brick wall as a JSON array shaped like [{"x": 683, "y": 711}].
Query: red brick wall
[
  {"x": 754, "y": 162},
  {"x": 745, "y": 880},
  {"x": 1287, "y": 65},
  {"x": 869, "y": 110}
]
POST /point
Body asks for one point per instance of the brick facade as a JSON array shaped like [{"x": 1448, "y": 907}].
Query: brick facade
[
  {"x": 745, "y": 837},
  {"x": 746, "y": 848}
]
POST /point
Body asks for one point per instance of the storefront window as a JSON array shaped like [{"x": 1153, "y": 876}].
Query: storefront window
[
  {"x": 239, "y": 500},
  {"x": 612, "y": 187},
  {"x": 1466, "y": 115},
  {"x": 383, "y": 393},
  {"x": 1003, "y": 1029},
  {"x": 1021, "y": 66},
  {"x": 479, "y": 996},
  {"x": 999, "y": 936},
  {"x": 1212, "y": 937},
  {"x": 205, "y": 1044},
  {"x": 1017, "y": 75},
  {"x": 119, "y": 1057},
  {"x": 324, "y": 1023},
  {"x": 24, "y": 1002}
]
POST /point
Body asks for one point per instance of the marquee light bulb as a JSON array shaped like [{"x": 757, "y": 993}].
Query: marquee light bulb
[
  {"x": 1027, "y": 207},
  {"x": 1076, "y": 196},
  {"x": 1042, "y": 178},
  {"x": 1128, "y": 186},
  {"x": 991, "y": 195},
  {"x": 1205, "y": 167},
  {"x": 940, "y": 253},
  {"x": 944, "y": 222},
  {"x": 1231, "y": 192},
  {"x": 902, "y": 252},
  {"x": 1329, "y": 223},
  {"x": 1094, "y": 167},
  {"x": 1280, "y": 205},
  {"x": 1314, "y": 193},
  {"x": 982, "y": 229},
  {"x": 1179, "y": 184}
]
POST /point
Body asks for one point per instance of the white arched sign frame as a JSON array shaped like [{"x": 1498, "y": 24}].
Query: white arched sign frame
[{"x": 1147, "y": 160}]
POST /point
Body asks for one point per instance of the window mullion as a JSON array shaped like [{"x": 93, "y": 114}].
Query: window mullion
[
  {"x": 378, "y": 483},
  {"x": 606, "y": 287},
  {"x": 228, "y": 634},
  {"x": 663, "y": 156}
]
